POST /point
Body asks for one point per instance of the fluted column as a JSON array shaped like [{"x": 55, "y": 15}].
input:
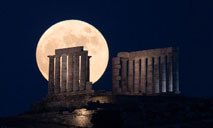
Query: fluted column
[
  {"x": 136, "y": 76},
  {"x": 156, "y": 75},
  {"x": 130, "y": 76},
  {"x": 88, "y": 68},
  {"x": 70, "y": 73},
  {"x": 169, "y": 74},
  {"x": 76, "y": 73},
  {"x": 124, "y": 74},
  {"x": 150, "y": 76},
  {"x": 64, "y": 74},
  {"x": 83, "y": 71},
  {"x": 176, "y": 74},
  {"x": 143, "y": 75},
  {"x": 51, "y": 75},
  {"x": 163, "y": 74},
  {"x": 57, "y": 75},
  {"x": 115, "y": 74}
]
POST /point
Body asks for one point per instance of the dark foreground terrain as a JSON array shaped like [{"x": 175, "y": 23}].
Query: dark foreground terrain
[{"x": 127, "y": 112}]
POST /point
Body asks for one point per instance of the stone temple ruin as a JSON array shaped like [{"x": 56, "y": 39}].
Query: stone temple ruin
[
  {"x": 149, "y": 72},
  {"x": 69, "y": 72},
  {"x": 146, "y": 72}
]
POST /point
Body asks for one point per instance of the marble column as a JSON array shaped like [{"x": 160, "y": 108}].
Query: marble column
[
  {"x": 163, "y": 74},
  {"x": 143, "y": 75},
  {"x": 64, "y": 74},
  {"x": 124, "y": 74},
  {"x": 150, "y": 76},
  {"x": 70, "y": 73},
  {"x": 136, "y": 76},
  {"x": 76, "y": 73},
  {"x": 51, "y": 75},
  {"x": 83, "y": 71},
  {"x": 169, "y": 84},
  {"x": 156, "y": 75},
  {"x": 88, "y": 68},
  {"x": 130, "y": 76},
  {"x": 176, "y": 74},
  {"x": 115, "y": 74},
  {"x": 57, "y": 75}
]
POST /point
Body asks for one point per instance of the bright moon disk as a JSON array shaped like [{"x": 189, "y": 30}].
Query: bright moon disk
[{"x": 72, "y": 33}]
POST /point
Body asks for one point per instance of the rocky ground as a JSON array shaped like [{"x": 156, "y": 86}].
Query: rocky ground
[{"x": 126, "y": 112}]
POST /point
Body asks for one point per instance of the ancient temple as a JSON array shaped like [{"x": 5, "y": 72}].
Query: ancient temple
[
  {"x": 69, "y": 72},
  {"x": 148, "y": 72}
]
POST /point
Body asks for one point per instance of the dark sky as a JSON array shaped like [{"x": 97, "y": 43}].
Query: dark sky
[{"x": 126, "y": 25}]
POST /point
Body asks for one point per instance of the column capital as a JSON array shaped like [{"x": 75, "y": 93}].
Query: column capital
[
  {"x": 163, "y": 55},
  {"x": 57, "y": 56},
  {"x": 137, "y": 58},
  {"x": 64, "y": 55},
  {"x": 143, "y": 57},
  {"x": 85, "y": 53},
  {"x": 155, "y": 57},
  {"x": 124, "y": 58},
  {"x": 51, "y": 56}
]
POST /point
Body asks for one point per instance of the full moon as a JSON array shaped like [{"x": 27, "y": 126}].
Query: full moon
[{"x": 72, "y": 33}]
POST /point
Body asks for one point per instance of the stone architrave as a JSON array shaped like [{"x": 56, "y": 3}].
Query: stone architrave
[
  {"x": 70, "y": 73},
  {"x": 124, "y": 75},
  {"x": 136, "y": 76},
  {"x": 143, "y": 75},
  {"x": 51, "y": 75},
  {"x": 130, "y": 76},
  {"x": 163, "y": 74},
  {"x": 76, "y": 73},
  {"x": 169, "y": 73},
  {"x": 64, "y": 74},
  {"x": 156, "y": 75},
  {"x": 57, "y": 75}
]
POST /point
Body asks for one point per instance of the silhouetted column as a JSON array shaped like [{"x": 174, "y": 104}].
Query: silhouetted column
[
  {"x": 169, "y": 74},
  {"x": 51, "y": 75},
  {"x": 176, "y": 74},
  {"x": 70, "y": 73},
  {"x": 130, "y": 76},
  {"x": 83, "y": 71},
  {"x": 115, "y": 74},
  {"x": 88, "y": 68},
  {"x": 150, "y": 76},
  {"x": 124, "y": 74},
  {"x": 57, "y": 75},
  {"x": 143, "y": 75},
  {"x": 156, "y": 75},
  {"x": 163, "y": 74},
  {"x": 76, "y": 73},
  {"x": 136, "y": 78},
  {"x": 64, "y": 74}
]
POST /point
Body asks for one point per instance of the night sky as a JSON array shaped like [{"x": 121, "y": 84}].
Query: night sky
[{"x": 126, "y": 25}]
